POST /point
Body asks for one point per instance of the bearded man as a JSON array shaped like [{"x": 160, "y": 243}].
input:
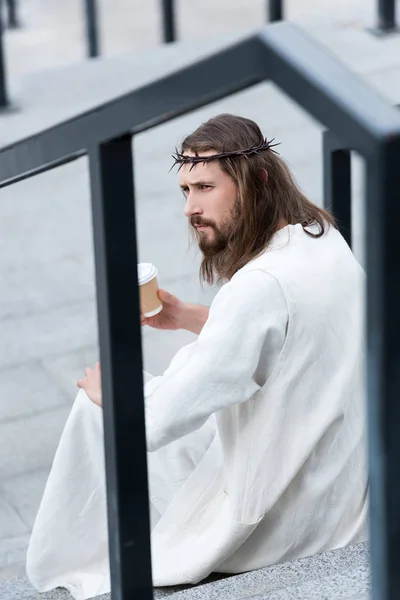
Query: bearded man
[{"x": 256, "y": 431}]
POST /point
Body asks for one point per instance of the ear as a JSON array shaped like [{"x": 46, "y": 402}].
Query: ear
[{"x": 264, "y": 175}]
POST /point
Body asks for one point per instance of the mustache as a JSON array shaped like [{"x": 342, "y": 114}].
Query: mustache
[{"x": 196, "y": 220}]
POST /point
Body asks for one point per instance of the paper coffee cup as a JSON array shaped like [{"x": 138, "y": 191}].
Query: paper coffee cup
[{"x": 150, "y": 303}]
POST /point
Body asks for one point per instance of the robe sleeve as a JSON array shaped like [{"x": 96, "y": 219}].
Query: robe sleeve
[{"x": 218, "y": 369}]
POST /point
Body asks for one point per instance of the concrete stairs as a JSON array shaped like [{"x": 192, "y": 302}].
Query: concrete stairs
[{"x": 339, "y": 574}]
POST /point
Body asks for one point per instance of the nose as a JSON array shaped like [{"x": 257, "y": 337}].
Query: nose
[{"x": 192, "y": 206}]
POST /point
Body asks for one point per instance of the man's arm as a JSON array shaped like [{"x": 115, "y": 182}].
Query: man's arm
[
  {"x": 217, "y": 371},
  {"x": 196, "y": 316},
  {"x": 175, "y": 315}
]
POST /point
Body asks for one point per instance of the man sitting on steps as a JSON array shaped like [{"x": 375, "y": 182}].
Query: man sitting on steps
[{"x": 256, "y": 431}]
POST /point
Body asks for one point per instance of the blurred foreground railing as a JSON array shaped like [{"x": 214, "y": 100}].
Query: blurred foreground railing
[{"x": 352, "y": 113}]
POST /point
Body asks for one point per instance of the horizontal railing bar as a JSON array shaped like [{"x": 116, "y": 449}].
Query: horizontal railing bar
[
  {"x": 280, "y": 52},
  {"x": 326, "y": 88},
  {"x": 47, "y": 167},
  {"x": 335, "y": 143},
  {"x": 223, "y": 73}
]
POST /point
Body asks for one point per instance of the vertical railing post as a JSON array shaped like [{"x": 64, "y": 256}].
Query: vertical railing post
[
  {"x": 383, "y": 360},
  {"x": 274, "y": 10},
  {"x": 386, "y": 18},
  {"x": 337, "y": 183},
  {"x": 3, "y": 85},
  {"x": 168, "y": 21},
  {"x": 12, "y": 20},
  {"x": 386, "y": 15},
  {"x": 114, "y": 234},
  {"x": 92, "y": 30}
]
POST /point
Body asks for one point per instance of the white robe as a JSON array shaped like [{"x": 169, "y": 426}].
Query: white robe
[{"x": 255, "y": 433}]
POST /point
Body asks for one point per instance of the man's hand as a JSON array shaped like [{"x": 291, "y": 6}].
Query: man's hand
[
  {"x": 172, "y": 315},
  {"x": 177, "y": 315},
  {"x": 91, "y": 384}
]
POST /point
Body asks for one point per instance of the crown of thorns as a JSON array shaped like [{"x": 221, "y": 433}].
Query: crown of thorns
[{"x": 183, "y": 159}]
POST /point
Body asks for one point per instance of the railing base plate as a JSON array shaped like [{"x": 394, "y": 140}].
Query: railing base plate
[
  {"x": 8, "y": 109},
  {"x": 383, "y": 31}
]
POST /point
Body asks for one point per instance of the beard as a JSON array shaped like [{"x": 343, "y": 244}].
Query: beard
[{"x": 214, "y": 240}]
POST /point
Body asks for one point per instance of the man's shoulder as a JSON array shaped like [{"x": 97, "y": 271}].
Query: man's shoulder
[
  {"x": 248, "y": 287},
  {"x": 266, "y": 264},
  {"x": 252, "y": 294}
]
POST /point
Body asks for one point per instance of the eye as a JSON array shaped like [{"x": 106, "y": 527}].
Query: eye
[
  {"x": 185, "y": 191},
  {"x": 205, "y": 187}
]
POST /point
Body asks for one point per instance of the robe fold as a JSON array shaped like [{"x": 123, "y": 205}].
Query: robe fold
[{"x": 255, "y": 433}]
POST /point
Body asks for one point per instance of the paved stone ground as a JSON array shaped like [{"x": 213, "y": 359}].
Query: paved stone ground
[
  {"x": 336, "y": 575},
  {"x": 47, "y": 310},
  {"x": 53, "y": 33}
]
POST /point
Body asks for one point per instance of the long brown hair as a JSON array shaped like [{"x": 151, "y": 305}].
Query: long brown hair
[{"x": 264, "y": 203}]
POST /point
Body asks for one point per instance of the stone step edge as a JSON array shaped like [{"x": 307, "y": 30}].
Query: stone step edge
[{"x": 255, "y": 584}]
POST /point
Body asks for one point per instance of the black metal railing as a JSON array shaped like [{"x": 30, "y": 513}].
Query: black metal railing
[
  {"x": 275, "y": 10},
  {"x": 386, "y": 10},
  {"x": 12, "y": 17},
  {"x": 168, "y": 21},
  {"x": 337, "y": 192},
  {"x": 12, "y": 23},
  {"x": 3, "y": 79},
  {"x": 386, "y": 17},
  {"x": 92, "y": 28},
  {"x": 337, "y": 182},
  {"x": 354, "y": 114}
]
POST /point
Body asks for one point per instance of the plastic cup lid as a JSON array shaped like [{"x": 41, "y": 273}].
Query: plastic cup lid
[{"x": 146, "y": 272}]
